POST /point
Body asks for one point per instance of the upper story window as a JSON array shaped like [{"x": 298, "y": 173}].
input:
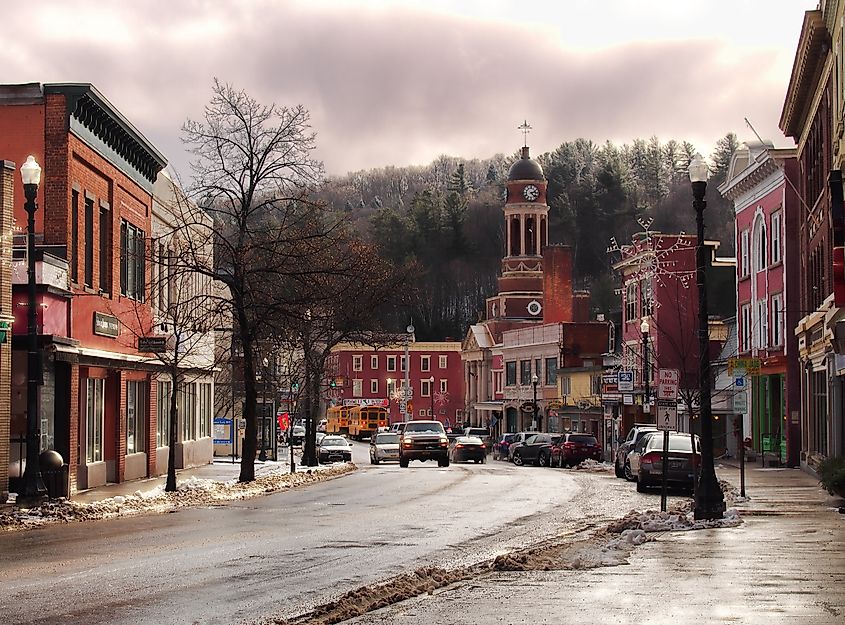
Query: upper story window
[
  {"x": 745, "y": 329},
  {"x": 391, "y": 363},
  {"x": 647, "y": 297},
  {"x": 777, "y": 221},
  {"x": 510, "y": 373},
  {"x": 357, "y": 363},
  {"x": 631, "y": 302},
  {"x": 425, "y": 363},
  {"x": 743, "y": 248},
  {"x": 132, "y": 265},
  {"x": 373, "y": 362},
  {"x": 777, "y": 322},
  {"x": 759, "y": 245},
  {"x": 525, "y": 372},
  {"x": 443, "y": 361}
]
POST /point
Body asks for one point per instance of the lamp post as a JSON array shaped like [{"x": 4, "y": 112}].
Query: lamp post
[
  {"x": 389, "y": 400},
  {"x": 406, "y": 391},
  {"x": 534, "y": 381},
  {"x": 431, "y": 395},
  {"x": 262, "y": 455},
  {"x": 33, "y": 486},
  {"x": 644, "y": 329},
  {"x": 709, "y": 503}
]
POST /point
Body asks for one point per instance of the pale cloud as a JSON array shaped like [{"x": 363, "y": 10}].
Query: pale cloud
[{"x": 401, "y": 82}]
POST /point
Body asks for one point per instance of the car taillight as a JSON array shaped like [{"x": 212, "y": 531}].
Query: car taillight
[
  {"x": 651, "y": 458},
  {"x": 569, "y": 445},
  {"x": 482, "y": 445},
  {"x": 459, "y": 445}
]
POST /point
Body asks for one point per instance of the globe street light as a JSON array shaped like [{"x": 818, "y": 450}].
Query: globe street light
[
  {"x": 389, "y": 399},
  {"x": 644, "y": 329},
  {"x": 431, "y": 394},
  {"x": 534, "y": 381},
  {"x": 33, "y": 486},
  {"x": 709, "y": 503}
]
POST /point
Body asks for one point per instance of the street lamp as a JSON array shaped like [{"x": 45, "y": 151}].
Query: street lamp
[
  {"x": 33, "y": 486},
  {"x": 431, "y": 394},
  {"x": 644, "y": 329},
  {"x": 709, "y": 503},
  {"x": 534, "y": 381},
  {"x": 389, "y": 399},
  {"x": 407, "y": 390},
  {"x": 262, "y": 455}
]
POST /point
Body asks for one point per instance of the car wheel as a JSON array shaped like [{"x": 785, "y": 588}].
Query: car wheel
[
  {"x": 641, "y": 486},
  {"x": 618, "y": 470},
  {"x": 543, "y": 460},
  {"x": 403, "y": 462},
  {"x": 628, "y": 475},
  {"x": 517, "y": 459}
]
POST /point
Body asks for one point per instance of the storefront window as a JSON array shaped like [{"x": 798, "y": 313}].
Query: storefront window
[
  {"x": 163, "y": 415},
  {"x": 205, "y": 410},
  {"x": 187, "y": 402},
  {"x": 95, "y": 401},
  {"x": 135, "y": 404}
]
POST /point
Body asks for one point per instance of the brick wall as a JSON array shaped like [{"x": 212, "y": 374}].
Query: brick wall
[
  {"x": 7, "y": 177},
  {"x": 557, "y": 284},
  {"x": 73, "y": 414},
  {"x": 152, "y": 412}
]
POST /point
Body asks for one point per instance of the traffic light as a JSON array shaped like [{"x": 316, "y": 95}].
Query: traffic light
[
  {"x": 294, "y": 387},
  {"x": 5, "y": 331},
  {"x": 333, "y": 383}
]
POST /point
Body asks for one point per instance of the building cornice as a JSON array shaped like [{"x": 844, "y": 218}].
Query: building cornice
[{"x": 813, "y": 47}]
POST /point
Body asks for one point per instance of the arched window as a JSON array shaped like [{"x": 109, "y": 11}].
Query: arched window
[{"x": 759, "y": 260}]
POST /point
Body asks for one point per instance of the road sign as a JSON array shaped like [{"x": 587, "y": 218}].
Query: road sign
[
  {"x": 739, "y": 382},
  {"x": 668, "y": 381},
  {"x": 626, "y": 380},
  {"x": 740, "y": 402},
  {"x": 667, "y": 416}
]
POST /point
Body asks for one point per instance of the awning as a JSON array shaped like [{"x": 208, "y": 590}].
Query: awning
[{"x": 489, "y": 405}]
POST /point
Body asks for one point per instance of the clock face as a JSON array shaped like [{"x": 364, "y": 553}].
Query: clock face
[
  {"x": 531, "y": 193},
  {"x": 534, "y": 307}
]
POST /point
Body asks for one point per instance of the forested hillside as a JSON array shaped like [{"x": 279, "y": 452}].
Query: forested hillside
[{"x": 447, "y": 216}]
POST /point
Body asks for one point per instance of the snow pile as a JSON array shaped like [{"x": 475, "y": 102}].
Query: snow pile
[
  {"x": 189, "y": 493},
  {"x": 677, "y": 519},
  {"x": 591, "y": 465}
]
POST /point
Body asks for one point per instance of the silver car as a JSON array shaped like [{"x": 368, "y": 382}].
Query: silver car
[{"x": 384, "y": 446}]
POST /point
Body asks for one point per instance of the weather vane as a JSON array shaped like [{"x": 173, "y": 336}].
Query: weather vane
[{"x": 525, "y": 128}]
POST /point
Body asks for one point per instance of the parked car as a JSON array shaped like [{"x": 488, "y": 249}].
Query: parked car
[
  {"x": 620, "y": 465},
  {"x": 680, "y": 472},
  {"x": 529, "y": 451},
  {"x": 517, "y": 442},
  {"x": 573, "y": 448},
  {"x": 423, "y": 440},
  {"x": 321, "y": 427},
  {"x": 320, "y": 436},
  {"x": 334, "y": 449},
  {"x": 384, "y": 446},
  {"x": 500, "y": 447},
  {"x": 632, "y": 462},
  {"x": 465, "y": 448},
  {"x": 397, "y": 427},
  {"x": 483, "y": 434}
]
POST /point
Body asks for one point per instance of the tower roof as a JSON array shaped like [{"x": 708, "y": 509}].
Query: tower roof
[{"x": 526, "y": 168}]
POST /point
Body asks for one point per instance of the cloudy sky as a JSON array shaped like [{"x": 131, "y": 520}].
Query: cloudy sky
[{"x": 401, "y": 82}]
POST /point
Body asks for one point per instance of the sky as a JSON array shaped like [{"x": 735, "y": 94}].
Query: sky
[{"x": 401, "y": 82}]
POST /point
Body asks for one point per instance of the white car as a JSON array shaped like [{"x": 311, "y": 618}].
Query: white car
[{"x": 384, "y": 446}]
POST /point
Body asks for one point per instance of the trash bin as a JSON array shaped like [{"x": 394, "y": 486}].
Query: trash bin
[{"x": 54, "y": 473}]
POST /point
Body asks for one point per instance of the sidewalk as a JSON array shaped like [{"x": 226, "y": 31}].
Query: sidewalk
[
  {"x": 784, "y": 564},
  {"x": 221, "y": 470}
]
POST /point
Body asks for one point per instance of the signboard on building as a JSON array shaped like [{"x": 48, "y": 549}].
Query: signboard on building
[
  {"x": 626, "y": 381},
  {"x": 222, "y": 431},
  {"x": 668, "y": 381},
  {"x": 155, "y": 344},
  {"x": 628, "y": 400},
  {"x": 743, "y": 366},
  {"x": 106, "y": 325},
  {"x": 365, "y": 401}
]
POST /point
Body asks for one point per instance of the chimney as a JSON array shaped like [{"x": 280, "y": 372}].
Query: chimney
[{"x": 557, "y": 284}]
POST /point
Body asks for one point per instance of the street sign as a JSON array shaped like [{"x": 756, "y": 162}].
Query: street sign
[
  {"x": 740, "y": 402},
  {"x": 628, "y": 400},
  {"x": 667, "y": 416},
  {"x": 155, "y": 344},
  {"x": 668, "y": 381},
  {"x": 626, "y": 380},
  {"x": 750, "y": 366},
  {"x": 739, "y": 382}
]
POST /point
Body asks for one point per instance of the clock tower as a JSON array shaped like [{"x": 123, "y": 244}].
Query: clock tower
[{"x": 526, "y": 226}]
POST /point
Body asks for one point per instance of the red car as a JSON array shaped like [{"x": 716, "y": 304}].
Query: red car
[{"x": 573, "y": 449}]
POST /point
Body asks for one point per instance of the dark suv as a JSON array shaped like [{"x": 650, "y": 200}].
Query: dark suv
[
  {"x": 423, "y": 440},
  {"x": 621, "y": 467},
  {"x": 500, "y": 447},
  {"x": 573, "y": 448}
]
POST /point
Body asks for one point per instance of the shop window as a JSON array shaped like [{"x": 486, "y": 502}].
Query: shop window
[
  {"x": 135, "y": 411},
  {"x": 95, "y": 402},
  {"x": 186, "y": 400},
  {"x": 163, "y": 414},
  {"x": 205, "y": 408}
]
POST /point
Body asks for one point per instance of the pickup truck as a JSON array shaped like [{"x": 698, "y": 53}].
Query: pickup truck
[{"x": 423, "y": 440}]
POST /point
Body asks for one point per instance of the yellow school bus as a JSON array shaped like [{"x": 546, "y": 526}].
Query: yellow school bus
[
  {"x": 337, "y": 420},
  {"x": 364, "y": 420}
]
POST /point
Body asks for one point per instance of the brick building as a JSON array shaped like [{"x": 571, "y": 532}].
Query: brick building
[
  {"x": 97, "y": 401},
  {"x": 7, "y": 200},
  {"x": 367, "y": 375}
]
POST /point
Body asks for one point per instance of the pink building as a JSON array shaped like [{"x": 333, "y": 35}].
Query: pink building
[
  {"x": 767, "y": 207},
  {"x": 367, "y": 375}
]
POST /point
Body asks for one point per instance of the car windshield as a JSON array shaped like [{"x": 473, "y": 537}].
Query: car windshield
[
  {"x": 582, "y": 439},
  {"x": 333, "y": 441},
  {"x": 387, "y": 439},
  {"x": 436, "y": 428}
]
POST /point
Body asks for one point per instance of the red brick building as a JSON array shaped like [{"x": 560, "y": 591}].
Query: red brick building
[
  {"x": 97, "y": 400},
  {"x": 366, "y": 375}
]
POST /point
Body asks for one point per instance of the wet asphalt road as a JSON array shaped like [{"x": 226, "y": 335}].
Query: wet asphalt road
[{"x": 282, "y": 554}]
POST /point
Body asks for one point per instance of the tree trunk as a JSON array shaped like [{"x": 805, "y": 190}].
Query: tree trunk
[
  {"x": 170, "y": 485},
  {"x": 309, "y": 455},
  {"x": 250, "y": 398}
]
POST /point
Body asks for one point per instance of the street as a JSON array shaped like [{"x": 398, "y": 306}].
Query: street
[{"x": 280, "y": 555}]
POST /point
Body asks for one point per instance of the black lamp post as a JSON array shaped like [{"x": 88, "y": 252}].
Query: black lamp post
[
  {"x": 389, "y": 400},
  {"x": 644, "y": 329},
  {"x": 709, "y": 502},
  {"x": 534, "y": 381},
  {"x": 33, "y": 486},
  {"x": 431, "y": 395}
]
